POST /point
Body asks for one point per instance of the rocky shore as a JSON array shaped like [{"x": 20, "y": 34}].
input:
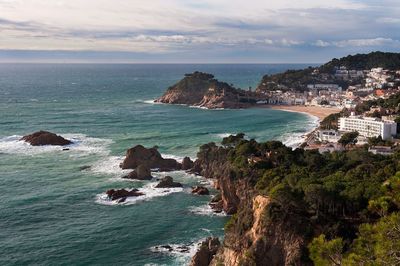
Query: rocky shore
[{"x": 203, "y": 90}]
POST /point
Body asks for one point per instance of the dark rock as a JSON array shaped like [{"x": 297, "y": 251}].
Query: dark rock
[
  {"x": 45, "y": 138},
  {"x": 168, "y": 182},
  {"x": 187, "y": 163},
  {"x": 199, "y": 190},
  {"x": 217, "y": 204},
  {"x": 142, "y": 172},
  {"x": 206, "y": 252},
  {"x": 65, "y": 149},
  {"x": 217, "y": 207},
  {"x": 150, "y": 158},
  {"x": 122, "y": 194},
  {"x": 85, "y": 167}
]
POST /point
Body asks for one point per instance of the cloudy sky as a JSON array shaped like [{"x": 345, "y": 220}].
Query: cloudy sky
[{"x": 195, "y": 31}]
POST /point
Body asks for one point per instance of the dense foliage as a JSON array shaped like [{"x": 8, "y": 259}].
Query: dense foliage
[
  {"x": 346, "y": 196},
  {"x": 389, "y": 61}
]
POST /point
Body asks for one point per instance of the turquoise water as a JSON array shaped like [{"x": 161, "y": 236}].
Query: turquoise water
[{"x": 52, "y": 212}]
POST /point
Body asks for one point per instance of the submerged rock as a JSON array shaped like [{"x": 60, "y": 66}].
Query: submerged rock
[
  {"x": 122, "y": 194},
  {"x": 150, "y": 158},
  {"x": 41, "y": 138},
  {"x": 142, "y": 172},
  {"x": 206, "y": 252},
  {"x": 85, "y": 167},
  {"x": 168, "y": 182},
  {"x": 199, "y": 190}
]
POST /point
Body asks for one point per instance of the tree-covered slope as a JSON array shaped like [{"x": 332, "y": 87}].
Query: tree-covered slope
[
  {"x": 284, "y": 198},
  {"x": 299, "y": 79}
]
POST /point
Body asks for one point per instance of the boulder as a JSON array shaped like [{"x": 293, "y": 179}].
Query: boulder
[
  {"x": 142, "y": 172},
  {"x": 150, "y": 158},
  {"x": 41, "y": 138},
  {"x": 199, "y": 190},
  {"x": 217, "y": 204},
  {"x": 168, "y": 182},
  {"x": 206, "y": 252},
  {"x": 187, "y": 163},
  {"x": 122, "y": 194}
]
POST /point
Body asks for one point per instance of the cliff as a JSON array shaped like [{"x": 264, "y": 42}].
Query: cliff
[
  {"x": 284, "y": 202},
  {"x": 203, "y": 90}
]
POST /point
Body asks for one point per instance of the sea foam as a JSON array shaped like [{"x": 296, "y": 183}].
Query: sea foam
[
  {"x": 82, "y": 145},
  {"x": 149, "y": 190},
  {"x": 205, "y": 210}
]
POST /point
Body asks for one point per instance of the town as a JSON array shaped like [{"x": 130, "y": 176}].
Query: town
[{"x": 373, "y": 123}]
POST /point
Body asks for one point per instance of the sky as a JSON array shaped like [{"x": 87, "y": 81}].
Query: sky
[{"x": 189, "y": 31}]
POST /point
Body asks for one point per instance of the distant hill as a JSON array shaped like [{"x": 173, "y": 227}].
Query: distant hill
[
  {"x": 298, "y": 79},
  {"x": 389, "y": 61}
]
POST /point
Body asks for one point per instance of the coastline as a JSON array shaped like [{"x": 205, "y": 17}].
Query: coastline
[{"x": 316, "y": 111}]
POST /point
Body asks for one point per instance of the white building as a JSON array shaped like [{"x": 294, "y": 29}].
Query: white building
[
  {"x": 328, "y": 135},
  {"x": 368, "y": 126}
]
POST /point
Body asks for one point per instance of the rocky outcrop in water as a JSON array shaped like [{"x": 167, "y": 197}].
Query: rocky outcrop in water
[
  {"x": 202, "y": 90},
  {"x": 142, "y": 172},
  {"x": 168, "y": 182},
  {"x": 187, "y": 163},
  {"x": 122, "y": 194},
  {"x": 199, "y": 190},
  {"x": 206, "y": 252},
  {"x": 41, "y": 138},
  {"x": 149, "y": 158}
]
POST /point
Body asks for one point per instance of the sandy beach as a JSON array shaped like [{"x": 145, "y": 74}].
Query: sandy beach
[{"x": 320, "y": 112}]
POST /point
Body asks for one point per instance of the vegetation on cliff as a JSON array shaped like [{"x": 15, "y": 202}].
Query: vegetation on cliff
[
  {"x": 203, "y": 90},
  {"x": 345, "y": 196}
]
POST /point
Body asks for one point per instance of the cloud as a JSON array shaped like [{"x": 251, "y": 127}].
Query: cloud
[
  {"x": 169, "y": 26},
  {"x": 358, "y": 42}
]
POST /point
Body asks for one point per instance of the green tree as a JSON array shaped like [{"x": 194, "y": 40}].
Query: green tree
[
  {"x": 377, "y": 244},
  {"x": 326, "y": 253},
  {"x": 348, "y": 138}
]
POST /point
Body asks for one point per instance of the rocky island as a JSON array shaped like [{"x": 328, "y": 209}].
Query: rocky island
[
  {"x": 203, "y": 90},
  {"x": 41, "y": 138}
]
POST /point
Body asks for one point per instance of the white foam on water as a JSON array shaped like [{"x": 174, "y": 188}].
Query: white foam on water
[
  {"x": 149, "y": 190},
  {"x": 110, "y": 166},
  {"x": 224, "y": 135},
  {"x": 179, "y": 159},
  {"x": 82, "y": 146},
  {"x": 294, "y": 140},
  {"x": 151, "y": 101},
  {"x": 182, "y": 252},
  {"x": 205, "y": 210}
]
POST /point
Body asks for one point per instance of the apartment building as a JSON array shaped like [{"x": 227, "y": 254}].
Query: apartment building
[{"x": 368, "y": 126}]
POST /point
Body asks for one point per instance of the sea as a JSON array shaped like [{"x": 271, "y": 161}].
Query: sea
[{"x": 53, "y": 208}]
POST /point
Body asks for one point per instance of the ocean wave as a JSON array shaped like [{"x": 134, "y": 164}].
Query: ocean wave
[
  {"x": 224, "y": 135},
  {"x": 205, "y": 210},
  {"x": 149, "y": 190},
  {"x": 110, "y": 166},
  {"x": 182, "y": 252},
  {"x": 295, "y": 139},
  {"x": 82, "y": 145}
]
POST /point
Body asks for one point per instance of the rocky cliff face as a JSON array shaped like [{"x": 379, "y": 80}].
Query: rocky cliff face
[
  {"x": 253, "y": 236},
  {"x": 202, "y": 90}
]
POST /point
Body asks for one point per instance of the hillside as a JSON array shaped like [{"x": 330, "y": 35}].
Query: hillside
[
  {"x": 325, "y": 74},
  {"x": 203, "y": 90},
  {"x": 297, "y": 207}
]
